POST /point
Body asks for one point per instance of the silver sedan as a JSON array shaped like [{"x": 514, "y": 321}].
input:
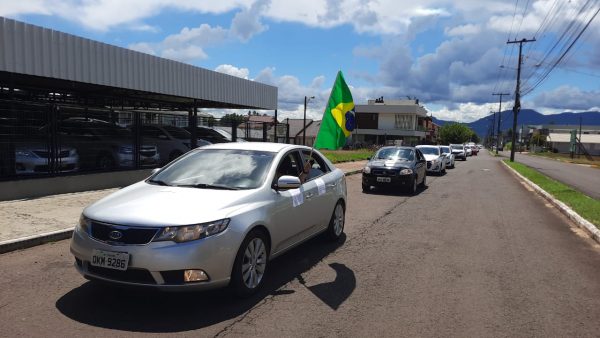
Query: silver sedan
[{"x": 214, "y": 217}]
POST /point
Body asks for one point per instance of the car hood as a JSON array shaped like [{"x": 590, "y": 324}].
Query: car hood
[
  {"x": 389, "y": 164},
  {"x": 430, "y": 157},
  {"x": 154, "y": 205}
]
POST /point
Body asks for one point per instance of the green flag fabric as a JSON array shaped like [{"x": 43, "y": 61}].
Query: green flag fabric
[{"x": 338, "y": 120}]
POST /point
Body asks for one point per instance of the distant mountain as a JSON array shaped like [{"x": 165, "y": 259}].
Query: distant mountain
[{"x": 530, "y": 117}]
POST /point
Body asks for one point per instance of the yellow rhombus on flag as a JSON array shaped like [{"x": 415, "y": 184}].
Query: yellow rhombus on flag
[{"x": 338, "y": 119}]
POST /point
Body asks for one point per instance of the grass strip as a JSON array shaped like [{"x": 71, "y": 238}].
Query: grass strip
[
  {"x": 337, "y": 156},
  {"x": 586, "y": 206}
]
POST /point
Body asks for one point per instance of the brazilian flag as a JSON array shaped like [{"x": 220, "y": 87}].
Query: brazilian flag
[{"x": 338, "y": 119}]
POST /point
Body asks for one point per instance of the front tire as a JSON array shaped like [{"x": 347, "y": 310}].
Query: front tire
[
  {"x": 413, "y": 188},
  {"x": 336, "y": 224},
  {"x": 424, "y": 181},
  {"x": 250, "y": 264}
]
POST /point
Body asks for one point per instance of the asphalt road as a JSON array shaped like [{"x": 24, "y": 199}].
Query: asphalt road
[
  {"x": 474, "y": 255},
  {"x": 580, "y": 177}
]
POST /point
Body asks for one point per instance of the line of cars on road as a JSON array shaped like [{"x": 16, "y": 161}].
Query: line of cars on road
[{"x": 407, "y": 168}]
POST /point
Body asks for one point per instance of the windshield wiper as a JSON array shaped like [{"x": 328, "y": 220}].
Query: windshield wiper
[
  {"x": 207, "y": 186},
  {"x": 159, "y": 182}
]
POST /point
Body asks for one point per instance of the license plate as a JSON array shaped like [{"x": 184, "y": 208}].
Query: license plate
[
  {"x": 384, "y": 179},
  {"x": 110, "y": 259}
]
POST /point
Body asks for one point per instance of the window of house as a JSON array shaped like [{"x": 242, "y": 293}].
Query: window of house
[{"x": 404, "y": 122}]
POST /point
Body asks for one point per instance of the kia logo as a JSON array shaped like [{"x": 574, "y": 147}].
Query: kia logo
[{"x": 115, "y": 235}]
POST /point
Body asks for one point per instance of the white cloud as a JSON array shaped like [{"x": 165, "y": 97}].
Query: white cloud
[
  {"x": 246, "y": 23},
  {"x": 568, "y": 98},
  {"x": 468, "y": 29},
  {"x": 464, "y": 112},
  {"x": 234, "y": 71}
]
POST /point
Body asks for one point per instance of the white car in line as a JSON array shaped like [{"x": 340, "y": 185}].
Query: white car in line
[
  {"x": 436, "y": 162},
  {"x": 448, "y": 156}
]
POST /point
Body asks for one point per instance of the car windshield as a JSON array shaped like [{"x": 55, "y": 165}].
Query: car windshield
[
  {"x": 445, "y": 149},
  {"x": 430, "y": 150},
  {"x": 395, "y": 154},
  {"x": 217, "y": 169},
  {"x": 178, "y": 133},
  {"x": 457, "y": 147}
]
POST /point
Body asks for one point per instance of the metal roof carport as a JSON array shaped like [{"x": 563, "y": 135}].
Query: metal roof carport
[
  {"x": 59, "y": 69},
  {"x": 32, "y": 55}
]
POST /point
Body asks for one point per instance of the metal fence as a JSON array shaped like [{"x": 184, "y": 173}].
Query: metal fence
[{"x": 53, "y": 134}]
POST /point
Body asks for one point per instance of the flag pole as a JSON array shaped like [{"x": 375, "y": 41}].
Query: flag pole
[{"x": 312, "y": 148}]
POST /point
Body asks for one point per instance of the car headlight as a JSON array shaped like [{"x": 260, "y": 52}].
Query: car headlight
[
  {"x": 367, "y": 170},
  {"x": 406, "y": 172},
  {"x": 84, "y": 224},
  {"x": 25, "y": 153},
  {"x": 126, "y": 149},
  {"x": 188, "y": 233}
]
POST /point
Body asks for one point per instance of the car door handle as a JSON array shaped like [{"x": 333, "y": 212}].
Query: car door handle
[
  {"x": 331, "y": 184},
  {"x": 309, "y": 195}
]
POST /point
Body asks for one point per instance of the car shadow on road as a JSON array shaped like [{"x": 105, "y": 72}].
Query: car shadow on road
[
  {"x": 149, "y": 310},
  {"x": 395, "y": 192}
]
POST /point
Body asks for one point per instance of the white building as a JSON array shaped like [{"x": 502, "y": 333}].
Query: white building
[{"x": 383, "y": 122}]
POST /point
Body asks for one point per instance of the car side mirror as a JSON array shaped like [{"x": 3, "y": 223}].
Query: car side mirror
[
  {"x": 155, "y": 170},
  {"x": 288, "y": 182}
]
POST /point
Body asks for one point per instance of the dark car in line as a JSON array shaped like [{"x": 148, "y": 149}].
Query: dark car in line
[{"x": 395, "y": 167}]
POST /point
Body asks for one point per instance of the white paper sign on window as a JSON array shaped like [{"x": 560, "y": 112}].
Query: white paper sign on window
[
  {"x": 320, "y": 185},
  {"x": 297, "y": 197}
]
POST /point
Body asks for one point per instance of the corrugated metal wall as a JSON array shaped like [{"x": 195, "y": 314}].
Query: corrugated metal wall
[{"x": 33, "y": 50}]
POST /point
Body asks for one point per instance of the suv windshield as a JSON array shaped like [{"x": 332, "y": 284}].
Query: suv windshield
[
  {"x": 445, "y": 149},
  {"x": 430, "y": 150},
  {"x": 217, "y": 169},
  {"x": 395, "y": 154},
  {"x": 458, "y": 147}
]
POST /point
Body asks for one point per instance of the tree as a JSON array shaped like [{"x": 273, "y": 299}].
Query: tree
[
  {"x": 230, "y": 119},
  {"x": 455, "y": 133},
  {"x": 474, "y": 137}
]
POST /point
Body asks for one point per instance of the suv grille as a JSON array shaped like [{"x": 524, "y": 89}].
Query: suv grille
[
  {"x": 384, "y": 172},
  {"x": 129, "y": 235}
]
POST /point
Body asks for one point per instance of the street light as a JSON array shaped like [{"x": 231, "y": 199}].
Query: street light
[{"x": 306, "y": 100}]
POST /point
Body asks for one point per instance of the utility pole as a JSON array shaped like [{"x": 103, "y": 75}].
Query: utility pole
[
  {"x": 517, "y": 105},
  {"x": 498, "y": 135}
]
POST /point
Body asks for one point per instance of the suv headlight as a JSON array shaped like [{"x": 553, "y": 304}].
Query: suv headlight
[
  {"x": 367, "y": 170},
  {"x": 188, "y": 233},
  {"x": 406, "y": 172}
]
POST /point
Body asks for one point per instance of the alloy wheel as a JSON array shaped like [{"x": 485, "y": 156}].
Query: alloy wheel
[
  {"x": 338, "y": 220},
  {"x": 254, "y": 263}
]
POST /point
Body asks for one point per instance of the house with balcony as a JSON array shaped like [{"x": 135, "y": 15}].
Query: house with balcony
[{"x": 391, "y": 122}]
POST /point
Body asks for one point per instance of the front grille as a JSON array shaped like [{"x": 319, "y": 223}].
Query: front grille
[
  {"x": 384, "y": 172},
  {"x": 428, "y": 164},
  {"x": 44, "y": 154},
  {"x": 129, "y": 235},
  {"x": 131, "y": 275}
]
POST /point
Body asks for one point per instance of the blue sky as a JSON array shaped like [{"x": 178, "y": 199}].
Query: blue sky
[{"x": 446, "y": 53}]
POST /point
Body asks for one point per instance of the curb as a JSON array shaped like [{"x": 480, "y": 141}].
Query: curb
[
  {"x": 34, "y": 240},
  {"x": 581, "y": 222},
  {"x": 353, "y": 172}
]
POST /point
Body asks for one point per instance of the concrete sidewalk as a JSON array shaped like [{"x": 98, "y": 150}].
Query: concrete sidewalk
[{"x": 29, "y": 222}]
